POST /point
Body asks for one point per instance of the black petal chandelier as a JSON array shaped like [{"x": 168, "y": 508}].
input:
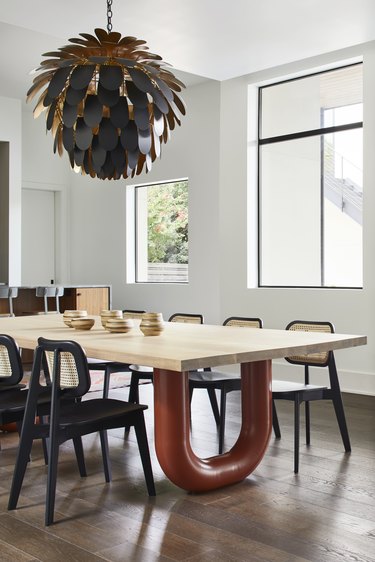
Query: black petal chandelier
[{"x": 110, "y": 103}]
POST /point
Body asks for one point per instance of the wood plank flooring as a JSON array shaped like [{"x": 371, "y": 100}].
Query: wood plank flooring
[{"x": 325, "y": 514}]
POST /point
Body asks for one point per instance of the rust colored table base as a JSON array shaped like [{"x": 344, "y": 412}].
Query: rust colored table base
[{"x": 172, "y": 430}]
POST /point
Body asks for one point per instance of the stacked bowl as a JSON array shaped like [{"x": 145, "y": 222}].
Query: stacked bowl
[
  {"x": 119, "y": 325},
  {"x": 70, "y": 314},
  {"x": 105, "y": 315}
]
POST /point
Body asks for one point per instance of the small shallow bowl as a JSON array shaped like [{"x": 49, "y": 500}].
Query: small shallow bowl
[
  {"x": 82, "y": 323},
  {"x": 106, "y": 314},
  {"x": 119, "y": 325},
  {"x": 70, "y": 314}
]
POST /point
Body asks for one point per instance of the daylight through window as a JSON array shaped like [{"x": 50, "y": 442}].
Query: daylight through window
[
  {"x": 310, "y": 180},
  {"x": 161, "y": 212}
]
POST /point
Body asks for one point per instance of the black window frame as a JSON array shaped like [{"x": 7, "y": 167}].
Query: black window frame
[{"x": 287, "y": 137}]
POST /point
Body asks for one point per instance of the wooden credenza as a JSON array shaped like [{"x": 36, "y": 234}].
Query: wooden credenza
[{"x": 92, "y": 298}]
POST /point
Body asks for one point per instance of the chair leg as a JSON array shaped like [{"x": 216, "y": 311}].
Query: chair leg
[
  {"x": 51, "y": 479},
  {"x": 307, "y": 421},
  {"x": 133, "y": 395},
  {"x": 19, "y": 427},
  {"x": 223, "y": 407},
  {"x": 275, "y": 421},
  {"x": 45, "y": 440},
  {"x": 338, "y": 405},
  {"x": 134, "y": 389},
  {"x": 191, "y": 390},
  {"x": 107, "y": 376},
  {"x": 78, "y": 449},
  {"x": 141, "y": 434},
  {"x": 105, "y": 455},
  {"x": 23, "y": 457},
  {"x": 214, "y": 405},
  {"x": 296, "y": 432},
  {"x": 340, "y": 415}
]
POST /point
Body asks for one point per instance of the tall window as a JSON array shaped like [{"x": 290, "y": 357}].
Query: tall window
[
  {"x": 310, "y": 180},
  {"x": 161, "y": 227}
]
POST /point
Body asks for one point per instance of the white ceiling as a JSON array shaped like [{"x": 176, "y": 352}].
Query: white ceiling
[{"x": 214, "y": 39}]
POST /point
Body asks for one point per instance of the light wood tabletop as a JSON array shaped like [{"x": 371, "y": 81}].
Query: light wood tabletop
[{"x": 180, "y": 346}]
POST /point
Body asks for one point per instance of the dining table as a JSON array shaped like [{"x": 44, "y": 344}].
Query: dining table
[{"x": 178, "y": 349}]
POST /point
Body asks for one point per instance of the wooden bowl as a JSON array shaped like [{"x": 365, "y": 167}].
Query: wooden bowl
[
  {"x": 119, "y": 325},
  {"x": 82, "y": 323},
  {"x": 152, "y": 323},
  {"x": 106, "y": 314},
  {"x": 70, "y": 314}
]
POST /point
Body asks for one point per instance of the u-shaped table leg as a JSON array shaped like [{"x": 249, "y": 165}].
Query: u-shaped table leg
[{"x": 172, "y": 430}]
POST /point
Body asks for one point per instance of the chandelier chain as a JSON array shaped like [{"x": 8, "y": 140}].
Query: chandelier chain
[{"x": 109, "y": 15}]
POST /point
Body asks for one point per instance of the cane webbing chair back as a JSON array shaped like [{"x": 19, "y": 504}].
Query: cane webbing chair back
[
  {"x": 320, "y": 359},
  {"x": 242, "y": 322},
  {"x": 11, "y": 371},
  {"x": 68, "y": 369},
  {"x": 5, "y": 366},
  {"x": 186, "y": 318},
  {"x": 68, "y": 363}
]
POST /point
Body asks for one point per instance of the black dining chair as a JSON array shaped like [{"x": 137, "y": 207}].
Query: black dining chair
[
  {"x": 111, "y": 367},
  {"x": 142, "y": 372},
  {"x": 224, "y": 382},
  {"x": 11, "y": 370},
  {"x": 73, "y": 419},
  {"x": 307, "y": 392},
  {"x": 13, "y": 397}
]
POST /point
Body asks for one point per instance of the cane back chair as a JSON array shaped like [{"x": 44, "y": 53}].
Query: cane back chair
[
  {"x": 142, "y": 371},
  {"x": 71, "y": 380},
  {"x": 307, "y": 392},
  {"x": 224, "y": 382}
]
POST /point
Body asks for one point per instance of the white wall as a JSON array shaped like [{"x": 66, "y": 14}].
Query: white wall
[
  {"x": 351, "y": 311},
  {"x": 44, "y": 170},
  {"x": 98, "y": 210},
  {"x": 10, "y": 131}
]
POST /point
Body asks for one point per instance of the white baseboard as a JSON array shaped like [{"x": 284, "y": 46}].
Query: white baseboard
[
  {"x": 356, "y": 383},
  {"x": 353, "y": 382}
]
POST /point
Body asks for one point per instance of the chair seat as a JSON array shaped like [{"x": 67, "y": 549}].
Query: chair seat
[
  {"x": 12, "y": 404},
  {"x": 213, "y": 377},
  {"x": 95, "y": 410},
  {"x": 290, "y": 386},
  {"x": 101, "y": 364},
  {"x": 141, "y": 369},
  {"x": 6, "y": 387},
  {"x": 108, "y": 367},
  {"x": 13, "y": 401}
]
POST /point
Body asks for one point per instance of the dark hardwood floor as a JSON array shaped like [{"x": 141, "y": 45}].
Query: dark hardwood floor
[{"x": 325, "y": 514}]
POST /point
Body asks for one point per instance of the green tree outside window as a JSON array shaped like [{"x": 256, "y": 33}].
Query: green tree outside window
[{"x": 168, "y": 223}]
